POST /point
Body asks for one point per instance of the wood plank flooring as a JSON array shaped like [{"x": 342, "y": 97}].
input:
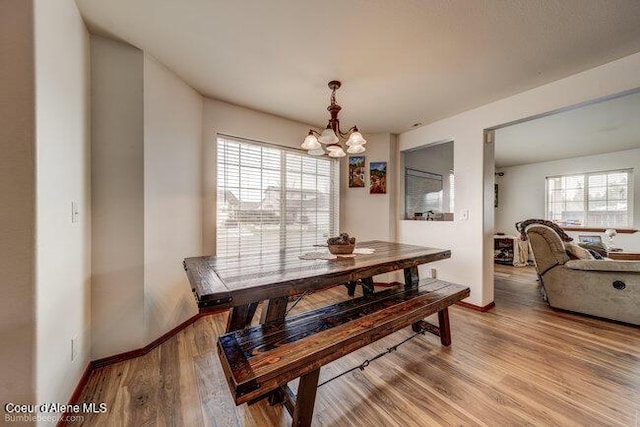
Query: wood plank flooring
[{"x": 521, "y": 363}]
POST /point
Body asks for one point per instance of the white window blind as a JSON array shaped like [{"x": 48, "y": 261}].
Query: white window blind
[
  {"x": 270, "y": 198},
  {"x": 596, "y": 199}
]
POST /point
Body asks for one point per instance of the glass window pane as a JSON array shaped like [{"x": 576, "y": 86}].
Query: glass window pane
[{"x": 256, "y": 213}]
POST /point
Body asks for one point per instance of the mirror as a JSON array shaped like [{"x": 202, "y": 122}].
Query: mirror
[{"x": 429, "y": 182}]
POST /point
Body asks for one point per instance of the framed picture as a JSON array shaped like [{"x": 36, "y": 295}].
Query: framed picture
[
  {"x": 356, "y": 172},
  {"x": 378, "y": 177}
]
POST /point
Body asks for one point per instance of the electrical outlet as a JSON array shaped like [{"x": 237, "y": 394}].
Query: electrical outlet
[
  {"x": 74, "y": 348},
  {"x": 434, "y": 273},
  {"x": 75, "y": 213}
]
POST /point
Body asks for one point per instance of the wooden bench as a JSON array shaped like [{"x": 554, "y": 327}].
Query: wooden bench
[{"x": 261, "y": 360}]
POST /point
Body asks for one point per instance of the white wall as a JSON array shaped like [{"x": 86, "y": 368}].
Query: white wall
[
  {"x": 471, "y": 240},
  {"x": 229, "y": 119},
  {"x": 173, "y": 196},
  {"x": 117, "y": 169},
  {"x": 18, "y": 206},
  {"x": 63, "y": 175},
  {"x": 522, "y": 189}
]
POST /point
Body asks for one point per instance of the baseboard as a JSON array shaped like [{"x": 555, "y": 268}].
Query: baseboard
[
  {"x": 84, "y": 379},
  {"x": 105, "y": 361},
  {"x": 99, "y": 363},
  {"x": 484, "y": 309}
]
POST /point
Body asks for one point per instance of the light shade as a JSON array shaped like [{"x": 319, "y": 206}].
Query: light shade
[
  {"x": 317, "y": 152},
  {"x": 337, "y": 153},
  {"x": 328, "y": 136},
  {"x": 356, "y": 139},
  {"x": 311, "y": 143},
  {"x": 356, "y": 149}
]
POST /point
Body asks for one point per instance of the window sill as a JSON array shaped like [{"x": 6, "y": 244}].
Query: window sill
[{"x": 600, "y": 230}]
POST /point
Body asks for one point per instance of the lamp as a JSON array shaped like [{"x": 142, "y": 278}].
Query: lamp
[
  {"x": 611, "y": 233},
  {"x": 330, "y": 136}
]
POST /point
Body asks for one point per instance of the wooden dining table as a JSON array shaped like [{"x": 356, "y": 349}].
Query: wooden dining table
[{"x": 241, "y": 282}]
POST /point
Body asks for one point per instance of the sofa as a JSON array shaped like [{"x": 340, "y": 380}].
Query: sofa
[{"x": 603, "y": 288}]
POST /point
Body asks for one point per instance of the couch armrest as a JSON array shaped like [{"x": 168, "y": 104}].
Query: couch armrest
[{"x": 604, "y": 265}]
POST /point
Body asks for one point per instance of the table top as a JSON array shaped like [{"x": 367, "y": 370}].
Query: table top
[
  {"x": 624, "y": 255},
  {"x": 233, "y": 281}
]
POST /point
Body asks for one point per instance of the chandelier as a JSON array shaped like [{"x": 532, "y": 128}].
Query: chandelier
[{"x": 329, "y": 137}]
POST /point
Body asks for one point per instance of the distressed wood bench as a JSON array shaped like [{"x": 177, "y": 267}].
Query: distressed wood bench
[{"x": 260, "y": 361}]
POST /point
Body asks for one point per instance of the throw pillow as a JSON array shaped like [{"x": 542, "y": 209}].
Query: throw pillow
[
  {"x": 595, "y": 254},
  {"x": 598, "y": 247},
  {"x": 577, "y": 251}
]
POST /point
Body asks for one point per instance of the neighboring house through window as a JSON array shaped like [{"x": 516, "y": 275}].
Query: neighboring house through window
[
  {"x": 270, "y": 198},
  {"x": 595, "y": 199}
]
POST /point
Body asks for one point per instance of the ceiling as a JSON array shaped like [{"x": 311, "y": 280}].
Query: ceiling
[
  {"x": 401, "y": 62},
  {"x": 603, "y": 127}
]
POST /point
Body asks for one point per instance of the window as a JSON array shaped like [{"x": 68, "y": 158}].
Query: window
[
  {"x": 597, "y": 199},
  {"x": 423, "y": 192},
  {"x": 270, "y": 198}
]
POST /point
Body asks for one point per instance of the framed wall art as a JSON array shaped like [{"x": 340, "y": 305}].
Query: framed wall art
[{"x": 378, "y": 177}]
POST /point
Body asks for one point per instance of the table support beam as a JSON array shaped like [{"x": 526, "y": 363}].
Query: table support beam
[
  {"x": 241, "y": 316},
  {"x": 411, "y": 278},
  {"x": 274, "y": 310}
]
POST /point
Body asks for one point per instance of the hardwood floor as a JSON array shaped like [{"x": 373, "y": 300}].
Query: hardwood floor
[{"x": 520, "y": 363}]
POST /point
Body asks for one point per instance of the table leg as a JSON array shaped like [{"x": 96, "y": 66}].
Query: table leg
[
  {"x": 411, "y": 277},
  {"x": 274, "y": 310},
  {"x": 306, "y": 399},
  {"x": 351, "y": 288},
  {"x": 367, "y": 286},
  {"x": 445, "y": 328},
  {"x": 240, "y": 316}
]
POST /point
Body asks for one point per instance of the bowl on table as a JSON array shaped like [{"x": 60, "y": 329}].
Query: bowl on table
[{"x": 341, "y": 249}]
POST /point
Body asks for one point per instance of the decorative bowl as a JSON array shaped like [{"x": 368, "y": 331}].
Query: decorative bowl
[{"x": 341, "y": 249}]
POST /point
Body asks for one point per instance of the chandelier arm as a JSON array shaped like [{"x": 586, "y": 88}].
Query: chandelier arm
[
  {"x": 315, "y": 132},
  {"x": 351, "y": 129}
]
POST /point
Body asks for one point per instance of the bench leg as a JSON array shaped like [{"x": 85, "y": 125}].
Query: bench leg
[
  {"x": 240, "y": 317},
  {"x": 303, "y": 412},
  {"x": 367, "y": 286},
  {"x": 445, "y": 328}
]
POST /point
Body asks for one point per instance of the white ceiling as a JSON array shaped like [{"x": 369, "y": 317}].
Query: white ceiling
[
  {"x": 400, "y": 62},
  {"x": 604, "y": 127}
]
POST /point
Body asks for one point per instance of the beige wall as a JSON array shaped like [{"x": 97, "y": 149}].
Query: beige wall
[
  {"x": 471, "y": 240},
  {"x": 173, "y": 196},
  {"x": 147, "y": 197},
  {"x": 17, "y": 209},
  {"x": 63, "y": 176},
  {"x": 370, "y": 216},
  {"x": 117, "y": 171}
]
